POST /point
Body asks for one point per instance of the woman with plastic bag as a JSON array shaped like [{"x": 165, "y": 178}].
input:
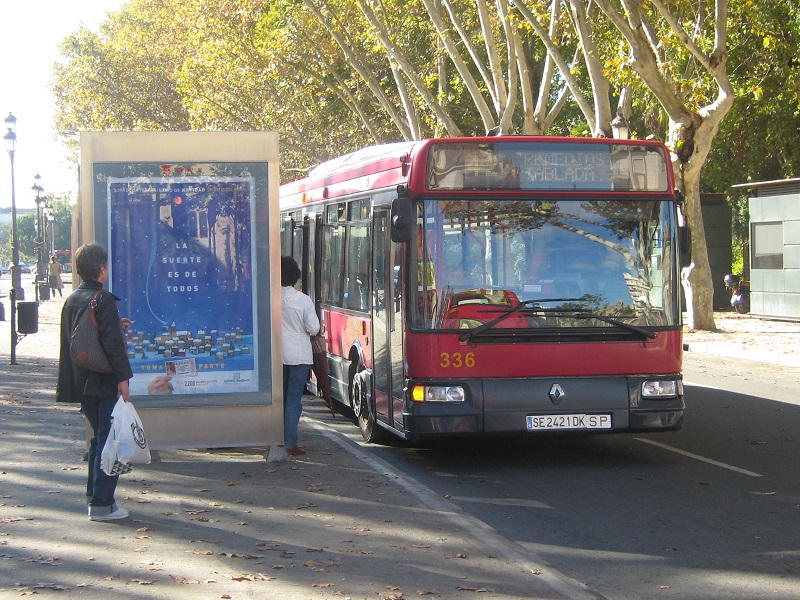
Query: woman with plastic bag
[{"x": 96, "y": 392}]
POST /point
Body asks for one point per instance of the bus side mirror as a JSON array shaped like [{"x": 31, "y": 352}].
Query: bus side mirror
[
  {"x": 402, "y": 216},
  {"x": 685, "y": 245}
]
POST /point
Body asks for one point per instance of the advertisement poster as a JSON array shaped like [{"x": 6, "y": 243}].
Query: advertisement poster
[{"x": 182, "y": 266}]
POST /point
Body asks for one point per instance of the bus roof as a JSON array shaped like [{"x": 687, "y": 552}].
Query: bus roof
[
  {"x": 368, "y": 168},
  {"x": 367, "y": 155},
  {"x": 387, "y": 165}
]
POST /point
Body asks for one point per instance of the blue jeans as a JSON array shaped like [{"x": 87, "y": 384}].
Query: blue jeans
[
  {"x": 294, "y": 382},
  {"x": 100, "y": 487}
]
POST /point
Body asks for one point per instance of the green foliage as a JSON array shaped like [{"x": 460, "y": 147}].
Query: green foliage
[
  {"x": 62, "y": 217},
  {"x": 60, "y": 222},
  {"x": 26, "y": 236},
  {"x": 97, "y": 87},
  {"x": 758, "y": 140},
  {"x": 250, "y": 65},
  {"x": 5, "y": 243}
]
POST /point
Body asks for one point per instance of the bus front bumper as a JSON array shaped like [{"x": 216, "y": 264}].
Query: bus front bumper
[{"x": 521, "y": 406}]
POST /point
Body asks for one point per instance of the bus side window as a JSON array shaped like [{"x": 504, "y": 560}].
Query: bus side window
[
  {"x": 356, "y": 292},
  {"x": 332, "y": 267}
]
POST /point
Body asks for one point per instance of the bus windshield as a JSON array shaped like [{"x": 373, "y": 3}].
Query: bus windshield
[{"x": 571, "y": 263}]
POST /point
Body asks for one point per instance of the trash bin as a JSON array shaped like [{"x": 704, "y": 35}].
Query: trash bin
[
  {"x": 27, "y": 317},
  {"x": 44, "y": 290}
]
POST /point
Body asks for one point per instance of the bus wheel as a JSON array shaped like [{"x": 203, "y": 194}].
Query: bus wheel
[
  {"x": 370, "y": 430},
  {"x": 357, "y": 375}
]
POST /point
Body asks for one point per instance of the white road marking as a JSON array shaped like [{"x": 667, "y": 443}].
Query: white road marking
[
  {"x": 702, "y": 385},
  {"x": 700, "y": 458},
  {"x": 571, "y": 589}
]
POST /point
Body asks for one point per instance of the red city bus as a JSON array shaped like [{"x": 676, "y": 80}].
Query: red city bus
[{"x": 496, "y": 284}]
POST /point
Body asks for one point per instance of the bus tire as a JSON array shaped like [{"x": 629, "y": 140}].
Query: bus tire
[
  {"x": 371, "y": 431},
  {"x": 356, "y": 369}
]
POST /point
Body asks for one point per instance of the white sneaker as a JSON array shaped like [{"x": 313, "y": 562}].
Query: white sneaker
[{"x": 120, "y": 513}]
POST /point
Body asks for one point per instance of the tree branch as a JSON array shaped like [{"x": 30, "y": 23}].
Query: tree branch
[{"x": 552, "y": 49}]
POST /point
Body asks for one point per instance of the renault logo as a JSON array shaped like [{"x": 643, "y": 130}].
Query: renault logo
[{"x": 556, "y": 393}]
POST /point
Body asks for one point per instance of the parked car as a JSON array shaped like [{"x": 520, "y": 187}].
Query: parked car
[{"x": 25, "y": 269}]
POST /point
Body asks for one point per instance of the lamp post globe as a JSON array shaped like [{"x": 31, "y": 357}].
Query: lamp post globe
[{"x": 620, "y": 130}]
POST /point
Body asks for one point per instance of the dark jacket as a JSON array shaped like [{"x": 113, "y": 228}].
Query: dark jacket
[{"x": 76, "y": 383}]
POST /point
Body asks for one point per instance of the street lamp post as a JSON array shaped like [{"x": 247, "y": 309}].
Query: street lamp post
[
  {"x": 11, "y": 140},
  {"x": 41, "y": 247}
]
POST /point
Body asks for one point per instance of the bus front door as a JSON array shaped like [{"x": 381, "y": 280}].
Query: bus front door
[{"x": 387, "y": 330}]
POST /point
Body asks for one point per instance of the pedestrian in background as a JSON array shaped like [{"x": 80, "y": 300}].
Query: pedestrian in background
[
  {"x": 54, "y": 279},
  {"x": 97, "y": 393},
  {"x": 298, "y": 324}
]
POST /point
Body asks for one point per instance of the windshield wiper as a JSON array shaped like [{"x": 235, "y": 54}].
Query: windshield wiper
[
  {"x": 534, "y": 304},
  {"x": 529, "y": 304},
  {"x": 650, "y": 335}
]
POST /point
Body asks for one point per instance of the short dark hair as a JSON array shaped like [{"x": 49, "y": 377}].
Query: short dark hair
[
  {"x": 290, "y": 272},
  {"x": 89, "y": 259}
]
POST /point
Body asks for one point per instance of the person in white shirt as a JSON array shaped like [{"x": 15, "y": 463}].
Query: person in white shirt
[{"x": 298, "y": 324}]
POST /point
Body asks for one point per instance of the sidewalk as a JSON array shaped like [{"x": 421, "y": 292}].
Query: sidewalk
[
  {"x": 225, "y": 523},
  {"x": 748, "y": 337}
]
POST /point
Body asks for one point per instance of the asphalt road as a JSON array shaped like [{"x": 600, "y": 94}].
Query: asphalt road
[{"x": 710, "y": 511}]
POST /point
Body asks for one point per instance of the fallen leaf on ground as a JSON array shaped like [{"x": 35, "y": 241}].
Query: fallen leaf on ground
[
  {"x": 184, "y": 580},
  {"x": 251, "y": 577}
]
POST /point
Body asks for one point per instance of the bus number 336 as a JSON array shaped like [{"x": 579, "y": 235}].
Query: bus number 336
[{"x": 457, "y": 360}]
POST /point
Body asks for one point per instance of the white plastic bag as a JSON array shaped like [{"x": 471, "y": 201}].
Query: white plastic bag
[{"x": 126, "y": 444}]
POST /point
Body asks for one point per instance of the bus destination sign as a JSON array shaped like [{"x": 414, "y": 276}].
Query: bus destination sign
[{"x": 546, "y": 166}]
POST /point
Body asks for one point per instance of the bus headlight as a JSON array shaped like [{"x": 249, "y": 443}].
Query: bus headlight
[
  {"x": 660, "y": 388},
  {"x": 437, "y": 393}
]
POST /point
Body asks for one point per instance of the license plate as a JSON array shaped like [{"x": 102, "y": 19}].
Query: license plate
[{"x": 548, "y": 422}]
